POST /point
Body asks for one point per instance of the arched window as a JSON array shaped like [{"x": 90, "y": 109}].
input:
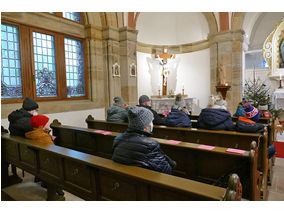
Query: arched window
[{"x": 74, "y": 16}]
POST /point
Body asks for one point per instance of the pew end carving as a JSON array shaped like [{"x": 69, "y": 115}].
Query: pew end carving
[
  {"x": 55, "y": 122},
  {"x": 234, "y": 189}
]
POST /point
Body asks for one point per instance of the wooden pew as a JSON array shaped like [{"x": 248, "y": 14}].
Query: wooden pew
[
  {"x": 192, "y": 162},
  {"x": 230, "y": 139},
  {"x": 95, "y": 178}
]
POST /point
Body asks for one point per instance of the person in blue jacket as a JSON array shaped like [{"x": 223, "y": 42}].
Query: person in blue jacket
[
  {"x": 179, "y": 115},
  {"x": 216, "y": 116},
  {"x": 240, "y": 110},
  {"x": 135, "y": 147}
]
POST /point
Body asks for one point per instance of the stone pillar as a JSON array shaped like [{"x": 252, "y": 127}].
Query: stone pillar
[
  {"x": 226, "y": 49},
  {"x": 128, "y": 40},
  {"x": 98, "y": 87},
  {"x": 112, "y": 56}
]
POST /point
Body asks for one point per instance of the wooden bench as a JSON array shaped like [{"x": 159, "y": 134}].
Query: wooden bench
[
  {"x": 192, "y": 162},
  {"x": 95, "y": 178},
  {"x": 230, "y": 139}
]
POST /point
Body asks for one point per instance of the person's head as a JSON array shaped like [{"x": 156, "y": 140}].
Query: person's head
[
  {"x": 140, "y": 118},
  {"x": 40, "y": 121},
  {"x": 118, "y": 101},
  {"x": 251, "y": 112},
  {"x": 30, "y": 106},
  {"x": 179, "y": 103},
  {"x": 144, "y": 100},
  {"x": 217, "y": 102}
]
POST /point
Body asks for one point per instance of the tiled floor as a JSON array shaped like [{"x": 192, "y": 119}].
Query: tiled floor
[
  {"x": 28, "y": 190},
  {"x": 276, "y": 190}
]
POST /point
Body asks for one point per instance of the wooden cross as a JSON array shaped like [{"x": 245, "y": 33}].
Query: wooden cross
[{"x": 163, "y": 61}]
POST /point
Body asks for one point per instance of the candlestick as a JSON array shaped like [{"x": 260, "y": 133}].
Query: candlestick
[
  {"x": 159, "y": 93},
  {"x": 280, "y": 86}
]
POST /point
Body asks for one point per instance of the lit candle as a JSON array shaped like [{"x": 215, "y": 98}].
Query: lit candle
[{"x": 280, "y": 76}]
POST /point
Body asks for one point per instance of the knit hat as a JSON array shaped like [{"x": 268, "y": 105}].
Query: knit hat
[
  {"x": 217, "y": 102},
  {"x": 251, "y": 112},
  {"x": 29, "y": 104},
  {"x": 179, "y": 101},
  {"x": 139, "y": 117},
  {"x": 118, "y": 100},
  {"x": 39, "y": 120},
  {"x": 143, "y": 99}
]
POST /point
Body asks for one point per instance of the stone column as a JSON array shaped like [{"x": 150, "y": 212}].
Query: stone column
[
  {"x": 98, "y": 87},
  {"x": 128, "y": 40},
  {"x": 111, "y": 56},
  {"x": 226, "y": 49}
]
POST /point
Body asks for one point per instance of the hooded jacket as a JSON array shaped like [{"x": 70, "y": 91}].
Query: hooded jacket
[
  {"x": 117, "y": 114},
  {"x": 158, "y": 120},
  {"x": 20, "y": 122},
  {"x": 41, "y": 135},
  {"x": 215, "y": 119},
  {"x": 246, "y": 125},
  {"x": 178, "y": 118},
  {"x": 136, "y": 148}
]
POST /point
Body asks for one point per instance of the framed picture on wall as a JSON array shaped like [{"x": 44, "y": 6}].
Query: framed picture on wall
[
  {"x": 115, "y": 70},
  {"x": 132, "y": 70}
]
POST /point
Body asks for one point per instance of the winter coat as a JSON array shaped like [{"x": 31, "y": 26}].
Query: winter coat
[
  {"x": 246, "y": 125},
  {"x": 158, "y": 120},
  {"x": 136, "y": 148},
  {"x": 178, "y": 118},
  {"x": 215, "y": 119},
  {"x": 41, "y": 135},
  {"x": 20, "y": 122},
  {"x": 117, "y": 114}
]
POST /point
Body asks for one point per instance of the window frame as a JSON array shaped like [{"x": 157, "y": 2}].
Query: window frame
[
  {"x": 60, "y": 15},
  {"x": 28, "y": 64}
]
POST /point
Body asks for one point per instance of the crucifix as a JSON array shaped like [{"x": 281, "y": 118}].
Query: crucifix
[{"x": 164, "y": 59}]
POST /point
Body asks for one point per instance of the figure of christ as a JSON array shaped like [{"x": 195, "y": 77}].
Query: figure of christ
[{"x": 163, "y": 59}]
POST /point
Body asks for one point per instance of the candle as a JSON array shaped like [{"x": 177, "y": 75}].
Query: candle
[{"x": 280, "y": 76}]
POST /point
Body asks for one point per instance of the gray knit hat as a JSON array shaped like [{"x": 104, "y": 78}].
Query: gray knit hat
[
  {"x": 143, "y": 99},
  {"x": 118, "y": 100},
  {"x": 179, "y": 101},
  {"x": 29, "y": 104},
  {"x": 139, "y": 117}
]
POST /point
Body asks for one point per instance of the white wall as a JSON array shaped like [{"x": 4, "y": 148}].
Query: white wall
[
  {"x": 193, "y": 72},
  {"x": 171, "y": 28},
  {"x": 74, "y": 118}
]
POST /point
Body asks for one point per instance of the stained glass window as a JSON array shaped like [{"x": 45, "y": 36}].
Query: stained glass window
[
  {"x": 44, "y": 61},
  {"x": 11, "y": 82},
  {"x": 75, "y": 16},
  {"x": 75, "y": 72}
]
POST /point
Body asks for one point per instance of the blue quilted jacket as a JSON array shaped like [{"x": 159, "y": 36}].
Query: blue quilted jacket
[
  {"x": 215, "y": 119},
  {"x": 177, "y": 118}
]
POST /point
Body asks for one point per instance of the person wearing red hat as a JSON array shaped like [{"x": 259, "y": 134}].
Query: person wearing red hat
[{"x": 41, "y": 130}]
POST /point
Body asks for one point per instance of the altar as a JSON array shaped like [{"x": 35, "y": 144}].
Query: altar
[
  {"x": 278, "y": 99},
  {"x": 160, "y": 104}
]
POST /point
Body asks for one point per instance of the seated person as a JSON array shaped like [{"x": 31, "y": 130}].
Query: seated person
[
  {"x": 20, "y": 119},
  {"x": 144, "y": 101},
  {"x": 216, "y": 116},
  {"x": 135, "y": 147},
  {"x": 41, "y": 130},
  {"x": 240, "y": 110},
  {"x": 118, "y": 111},
  {"x": 248, "y": 124},
  {"x": 179, "y": 115}
]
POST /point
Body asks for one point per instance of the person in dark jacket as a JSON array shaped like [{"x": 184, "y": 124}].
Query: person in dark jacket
[
  {"x": 248, "y": 124},
  {"x": 216, "y": 116},
  {"x": 144, "y": 101},
  {"x": 179, "y": 115},
  {"x": 135, "y": 147},
  {"x": 240, "y": 110},
  {"x": 20, "y": 120},
  {"x": 118, "y": 111}
]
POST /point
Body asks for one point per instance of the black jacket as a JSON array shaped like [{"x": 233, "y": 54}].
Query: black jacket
[
  {"x": 136, "y": 148},
  {"x": 20, "y": 122},
  {"x": 243, "y": 126},
  {"x": 215, "y": 119},
  {"x": 158, "y": 120}
]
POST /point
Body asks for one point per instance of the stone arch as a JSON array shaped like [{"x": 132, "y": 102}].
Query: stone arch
[
  {"x": 238, "y": 19},
  {"x": 211, "y": 20}
]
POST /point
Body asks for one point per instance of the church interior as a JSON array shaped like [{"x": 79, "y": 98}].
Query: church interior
[{"x": 76, "y": 66}]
